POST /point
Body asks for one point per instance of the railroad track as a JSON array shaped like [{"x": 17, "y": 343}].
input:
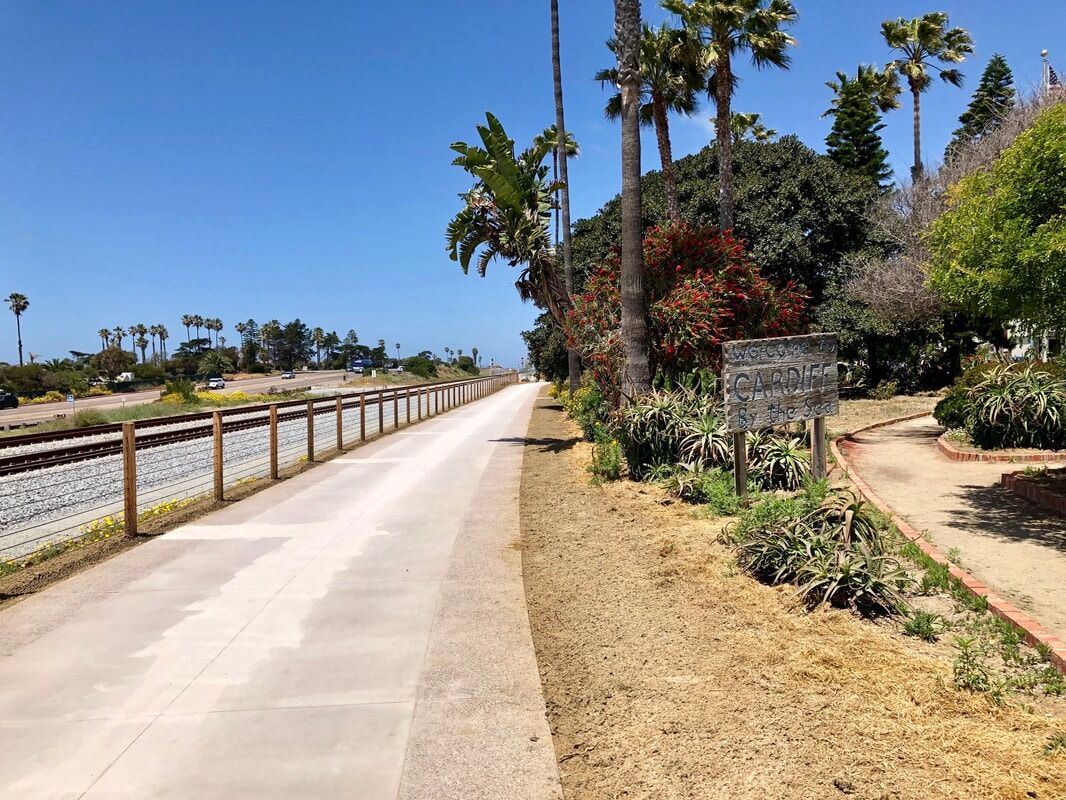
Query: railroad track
[{"x": 287, "y": 411}]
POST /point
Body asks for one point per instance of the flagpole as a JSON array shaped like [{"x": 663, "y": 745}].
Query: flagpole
[{"x": 1045, "y": 78}]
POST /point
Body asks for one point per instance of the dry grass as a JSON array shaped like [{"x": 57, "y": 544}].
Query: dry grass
[
  {"x": 670, "y": 674},
  {"x": 857, "y": 413}
]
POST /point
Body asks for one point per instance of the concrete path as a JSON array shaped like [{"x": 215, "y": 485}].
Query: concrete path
[
  {"x": 359, "y": 631},
  {"x": 1011, "y": 545}
]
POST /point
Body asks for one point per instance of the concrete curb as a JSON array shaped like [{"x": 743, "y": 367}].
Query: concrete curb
[
  {"x": 1034, "y": 632},
  {"x": 1033, "y": 492},
  {"x": 949, "y": 450}
]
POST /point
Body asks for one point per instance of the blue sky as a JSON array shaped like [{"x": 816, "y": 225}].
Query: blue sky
[{"x": 287, "y": 159}]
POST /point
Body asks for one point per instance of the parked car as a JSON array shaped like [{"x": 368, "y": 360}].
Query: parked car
[
  {"x": 288, "y": 375},
  {"x": 8, "y": 400},
  {"x": 216, "y": 383}
]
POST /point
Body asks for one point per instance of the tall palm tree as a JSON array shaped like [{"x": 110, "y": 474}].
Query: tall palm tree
[
  {"x": 18, "y": 303},
  {"x": 187, "y": 320},
  {"x": 105, "y": 335},
  {"x": 671, "y": 73},
  {"x": 318, "y": 336},
  {"x": 636, "y": 371},
  {"x": 549, "y": 139},
  {"x": 120, "y": 334},
  {"x": 560, "y": 155},
  {"x": 473, "y": 352},
  {"x": 153, "y": 333},
  {"x": 241, "y": 327},
  {"x": 397, "y": 354},
  {"x": 506, "y": 215},
  {"x": 726, "y": 29},
  {"x": 197, "y": 322},
  {"x": 921, "y": 43},
  {"x": 163, "y": 335},
  {"x": 139, "y": 331}
]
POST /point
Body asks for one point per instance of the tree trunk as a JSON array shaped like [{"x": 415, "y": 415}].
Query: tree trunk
[
  {"x": 636, "y": 371},
  {"x": 724, "y": 134},
  {"x": 916, "y": 170},
  {"x": 18, "y": 327},
  {"x": 573, "y": 362},
  {"x": 666, "y": 157}
]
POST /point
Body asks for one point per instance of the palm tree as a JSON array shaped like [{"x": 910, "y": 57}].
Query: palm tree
[
  {"x": 139, "y": 331},
  {"x": 240, "y": 327},
  {"x": 506, "y": 215},
  {"x": 317, "y": 336},
  {"x": 744, "y": 124},
  {"x": 119, "y": 334},
  {"x": 920, "y": 43},
  {"x": 727, "y": 28},
  {"x": 104, "y": 335},
  {"x": 636, "y": 371},
  {"x": 573, "y": 150},
  {"x": 187, "y": 320},
  {"x": 197, "y": 322},
  {"x": 213, "y": 324},
  {"x": 397, "y": 354},
  {"x": 163, "y": 335},
  {"x": 473, "y": 352},
  {"x": 18, "y": 303},
  {"x": 882, "y": 86},
  {"x": 153, "y": 332},
  {"x": 671, "y": 73}
]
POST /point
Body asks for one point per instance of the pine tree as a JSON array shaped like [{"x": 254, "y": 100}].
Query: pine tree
[
  {"x": 854, "y": 141},
  {"x": 993, "y": 97}
]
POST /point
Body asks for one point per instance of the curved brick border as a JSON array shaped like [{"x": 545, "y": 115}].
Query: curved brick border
[
  {"x": 1034, "y": 632},
  {"x": 948, "y": 449},
  {"x": 1033, "y": 492}
]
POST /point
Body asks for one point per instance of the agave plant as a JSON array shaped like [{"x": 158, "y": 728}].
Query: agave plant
[
  {"x": 705, "y": 440},
  {"x": 1018, "y": 406},
  {"x": 779, "y": 462}
]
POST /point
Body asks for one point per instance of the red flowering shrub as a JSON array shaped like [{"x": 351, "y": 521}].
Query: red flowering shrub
[{"x": 702, "y": 291}]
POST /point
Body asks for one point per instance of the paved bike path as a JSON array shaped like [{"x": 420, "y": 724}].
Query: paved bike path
[
  {"x": 1008, "y": 543},
  {"x": 358, "y": 631}
]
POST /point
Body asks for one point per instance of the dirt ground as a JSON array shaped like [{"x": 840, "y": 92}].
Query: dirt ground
[
  {"x": 668, "y": 673},
  {"x": 857, "y": 413}
]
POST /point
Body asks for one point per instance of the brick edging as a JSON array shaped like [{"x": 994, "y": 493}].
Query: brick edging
[
  {"x": 949, "y": 450},
  {"x": 1034, "y": 632},
  {"x": 1033, "y": 492}
]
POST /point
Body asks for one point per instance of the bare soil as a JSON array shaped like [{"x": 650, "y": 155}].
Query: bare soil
[
  {"x": 855, "y": 414},
  {"x": 669, "y": 673}
]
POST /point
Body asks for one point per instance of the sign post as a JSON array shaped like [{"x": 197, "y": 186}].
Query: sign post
[{"x": 770, "y": 382}]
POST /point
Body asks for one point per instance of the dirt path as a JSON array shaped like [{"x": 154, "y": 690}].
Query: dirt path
[
  {"x": 1007, "y": 542},
  {"x": 669, "y": 674}
]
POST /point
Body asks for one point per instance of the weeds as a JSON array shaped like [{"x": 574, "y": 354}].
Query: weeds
[
  {"x": 606, "y": 460},
  {"x": 922, "y": 625}
]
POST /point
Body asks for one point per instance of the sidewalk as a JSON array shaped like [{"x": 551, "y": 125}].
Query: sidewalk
[
  {"x": 1011, "y": 545},
  {"x": 358, "y": 631}
]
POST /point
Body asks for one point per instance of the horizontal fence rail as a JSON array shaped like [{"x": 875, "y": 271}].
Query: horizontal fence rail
[{"x": 133, "y": 472}]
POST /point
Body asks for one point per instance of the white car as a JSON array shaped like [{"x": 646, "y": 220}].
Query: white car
[
  {"x": 288, "y": 375},
  {"x": 216, "y": 383}
]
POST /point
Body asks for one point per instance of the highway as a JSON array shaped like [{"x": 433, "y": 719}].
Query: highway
[{"x": 47, "y": 411}]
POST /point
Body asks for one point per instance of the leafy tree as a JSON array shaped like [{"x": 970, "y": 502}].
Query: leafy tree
[
  {"x": 921, "y": 43},
  {"x": 701, "y": 291},
  {"x": 293, "y": 345},
  {"x": 992, "y": 99},
  {"x": 18, "y": 303},
  {"x": 633, "y": 317},
  {"x": 547, "y": 348},
  {"x": 671, "y": 76},
  {"x": 506, "y": 214},
  {"x": 728, "y": 28},
  {"x": 113, "y": 361},
  {"x": 798, "y": 212},
  {"x": 421, "y": 366},
  {"x": 854, "y": 141},
  {"x": 1000, "y": 248}
]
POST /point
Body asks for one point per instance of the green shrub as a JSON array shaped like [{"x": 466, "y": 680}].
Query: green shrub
[
  {"x": 953, "y": 410},
  {"x": 830, "y": 546},
  {"x": 89, "y": 417},
  {"x": 923, "y": 625},
  {"x": 1020, "y": 405},
  {"x": 182, "y": 387},
  {"x": 776, "y": 461},
  {"x": 589, "y": 409},
  {"x": 420, "y": 366},
  {"x": 606, "y": 460},
  {"x": 885, "y": 390}
]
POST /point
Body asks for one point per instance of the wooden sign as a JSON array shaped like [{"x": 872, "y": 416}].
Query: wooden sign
[{"x": 772, "y": 382}]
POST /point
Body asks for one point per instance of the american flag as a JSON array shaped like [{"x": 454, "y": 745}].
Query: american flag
[{"x": 1052, "y": 76}]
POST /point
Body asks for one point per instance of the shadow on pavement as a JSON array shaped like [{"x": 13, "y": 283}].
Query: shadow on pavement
[
  {"x": 549, "y": 445},
  {"x": 995, "y": 510}
]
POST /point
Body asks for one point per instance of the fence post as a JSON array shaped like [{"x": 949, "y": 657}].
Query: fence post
[
  {"x": 740, "y": 465},
  {"x": 274, "y": 441},
  {"x": 362, "y": 417},
  {"x": 395, "y": 409},
  {"x": 129, "y": 477},
  {"x": 407, "y": 399},
  {"x": 340, "y": 424},
  {"x": 216, "y": 424},
  {"x": 418, "y": 401},
  {"x": 818, "y": 456},
  {"x": 310, "y": 430},
  {"x": 381, "y": 411}
]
